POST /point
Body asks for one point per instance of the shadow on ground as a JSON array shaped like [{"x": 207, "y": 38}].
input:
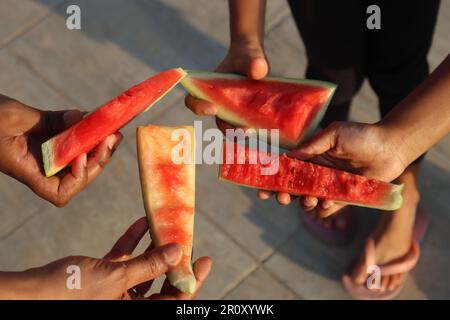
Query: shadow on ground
[{"x": 172, "y": 41}]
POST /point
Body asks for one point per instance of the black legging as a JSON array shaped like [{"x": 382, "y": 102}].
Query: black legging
[{"x": 341, "y": 49}]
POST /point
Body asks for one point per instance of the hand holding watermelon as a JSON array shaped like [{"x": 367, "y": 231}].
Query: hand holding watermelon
[
  {"x": 353, "y": 147},
  {"x": 116, "y": 276},
  {"x": 22, "y": 132},
  {"x": 244, "y": 57}
]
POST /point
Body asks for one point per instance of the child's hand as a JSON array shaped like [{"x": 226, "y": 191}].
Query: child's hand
[
  {"x": 244, "y": 57},
  {"x": 22, "y": 131},
  {"x": 116, "y": 276},
  {"x": 355, "y": 147}
]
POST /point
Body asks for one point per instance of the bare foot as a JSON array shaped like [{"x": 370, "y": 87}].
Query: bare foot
[{"x": 393, "y": 235}]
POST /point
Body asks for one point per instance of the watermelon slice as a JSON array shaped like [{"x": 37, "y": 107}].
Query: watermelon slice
[
  {"x": 294, "y": 106},
  {"x": 168, "y": 190},
  {"x": 82, "y": 137},
  {"x": 304, "y": 178}
]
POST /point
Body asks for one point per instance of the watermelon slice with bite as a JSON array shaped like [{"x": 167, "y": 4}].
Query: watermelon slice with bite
[
  {"x": 168, "y": 190},
  {"x": 294, "y": 106},
  {"x": 82, "y": 137},
  {"x": 249, "y": 167}
]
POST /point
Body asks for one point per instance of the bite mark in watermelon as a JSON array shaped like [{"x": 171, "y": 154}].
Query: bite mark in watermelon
[
  {"x": 304, "y": 178},
  {"x": 82, "y": 137},
  {"x": 294, "y": 106},
  {"x": 168, "y": 191}
]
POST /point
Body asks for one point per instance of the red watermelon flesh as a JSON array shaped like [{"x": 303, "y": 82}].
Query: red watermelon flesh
[
  {"x": 294, "y": 106},
  {"x": 168, "y": 190},
  {"x": 82, "y": 137},
  {"x": 304, "y": 178}
]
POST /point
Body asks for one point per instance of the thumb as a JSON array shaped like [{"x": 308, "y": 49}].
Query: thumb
[
  {"x": 257, "y": 67},
  {"x": 250, "y": 61},
  {"x": 53, "y": 122},
  {"x": 152, "y": 264},
  {"x": 317, "y": 145}
]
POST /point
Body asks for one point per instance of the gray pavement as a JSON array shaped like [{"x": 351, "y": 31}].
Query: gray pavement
[{"x": 260, "y": 249}]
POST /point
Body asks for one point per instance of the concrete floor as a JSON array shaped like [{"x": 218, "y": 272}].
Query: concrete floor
[{"x": 260, "y": 249}]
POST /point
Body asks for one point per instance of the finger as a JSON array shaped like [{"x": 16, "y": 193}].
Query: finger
[
  {"x": 62, "y": 187},
  {"x": 53, "y": 122},
  {"x": 143, "y": 288},
  {"x": 257, "y": 68},
  {"x": 100, "y": 156},
  {"x": 126, "y": 244},
  {"x": 200, "y": 107},
  {"x": 70, "y": 118},
  {"x": 321, "y": 143},
  {"x": 264, "y": 194},
  {"x": 254, "y": 64},
  {"x": 308, "y": 203},
  {"x": 327, "y": 208},
  {"x": 152, "y": 264},
  {"x": 283, "y": 198},
  {"x": 201, "y": 268}
]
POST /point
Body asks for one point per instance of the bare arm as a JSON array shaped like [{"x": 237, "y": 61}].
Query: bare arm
[
  {"x": 246, "y": 52},
  {"x": 423, "y": 118},
  {"x": 247, "y": 20}
]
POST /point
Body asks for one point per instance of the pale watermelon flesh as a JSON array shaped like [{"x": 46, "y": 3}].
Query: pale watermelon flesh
[
  {"x": 304, "y": 178},
  {"x": 168, "y": 191},
  {"x": 82, "y": 137},
  {"x": 294, "y": 106}
]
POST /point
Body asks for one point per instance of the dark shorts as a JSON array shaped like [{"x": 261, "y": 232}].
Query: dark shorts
[{"x": 341, "y": 49}]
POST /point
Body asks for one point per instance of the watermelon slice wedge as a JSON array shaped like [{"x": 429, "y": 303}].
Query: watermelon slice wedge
[
  {"x": 294, "y": 106},
  {"x": 168, "y": 190},
  {"x": 245, "y": 167},
  {"x": 82, "y": 137}
]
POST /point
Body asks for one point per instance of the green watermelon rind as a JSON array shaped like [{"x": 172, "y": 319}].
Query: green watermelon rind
[
  {"x": 48, "y": 159},
  {"x": 47, "y": 148},
  {"x": 183, "y": 74},
  {"x": 186, "y": 284},
  {"x": 231, "y": 118},
  {"x": 393, "y": 202}
]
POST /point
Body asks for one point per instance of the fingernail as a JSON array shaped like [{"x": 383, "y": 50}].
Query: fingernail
[
  {"x": 210, "y": 111},
  {"x": 307, "y": 203},
  {"x": 326, "y": 205},
  {"x": 172, "y": 254},
  {"x": 263, "y": 196},
  {"x": 84, "y": 160},
  {"x": 71, "y": 117},
  {"x": 112, "y": 140}
]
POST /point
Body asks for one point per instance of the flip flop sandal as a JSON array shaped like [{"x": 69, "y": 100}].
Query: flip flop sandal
[
  {"x": 330, "y": 235},
  {"x": 400, "y": 265}
]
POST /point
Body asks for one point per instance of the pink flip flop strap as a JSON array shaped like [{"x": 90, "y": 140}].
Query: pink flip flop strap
[{"x": 400, "y": 265}]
